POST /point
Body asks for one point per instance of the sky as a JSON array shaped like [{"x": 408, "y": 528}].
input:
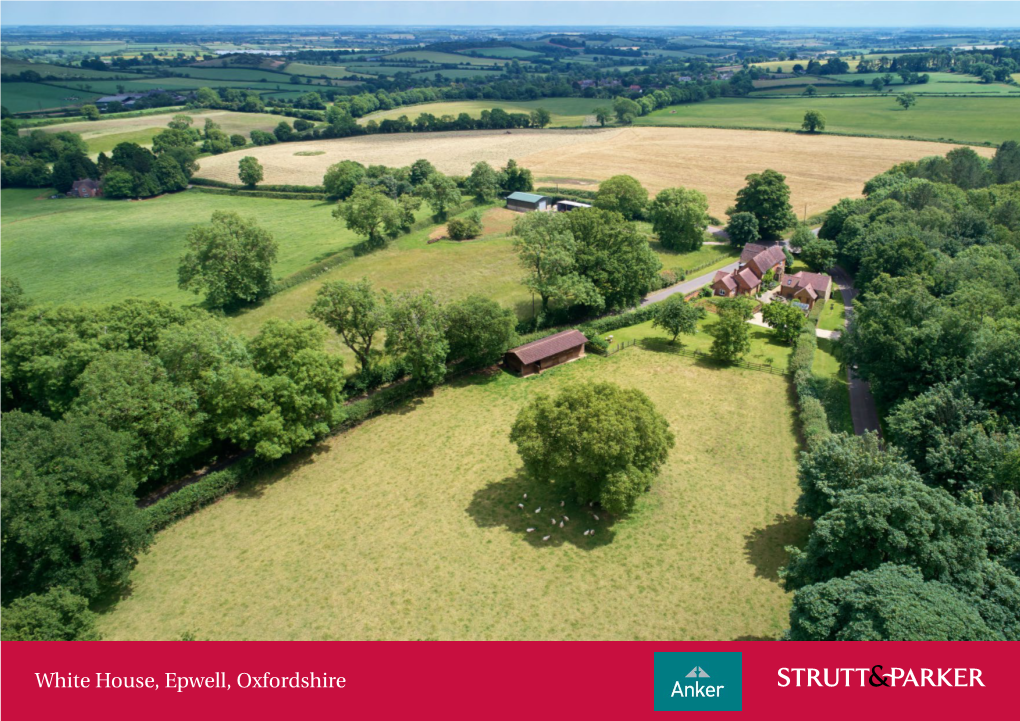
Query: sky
[{"x": 488, "y": 13}]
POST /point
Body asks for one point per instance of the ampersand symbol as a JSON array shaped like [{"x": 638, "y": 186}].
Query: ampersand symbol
[{"x": 875, "y": 677}]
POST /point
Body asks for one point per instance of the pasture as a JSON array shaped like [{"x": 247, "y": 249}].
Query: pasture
[
  {"x": 565, "y": 112},
  {"x": 963, "y": 120},
  {"x": 711, "y": 160},
  {"x": 104, "y": 134},
  {"x": 407, "y": 527},
  {"x": 131, "y": 248},
  {"x": 28, "y": 97},
  {"x": 435, "y": 57}
]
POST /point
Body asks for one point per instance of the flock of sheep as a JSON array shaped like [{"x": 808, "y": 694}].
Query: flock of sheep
[{"x": 566, "y": 519}]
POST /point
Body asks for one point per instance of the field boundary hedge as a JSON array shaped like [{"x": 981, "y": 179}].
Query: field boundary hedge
[{"x": 814, "y": 421}]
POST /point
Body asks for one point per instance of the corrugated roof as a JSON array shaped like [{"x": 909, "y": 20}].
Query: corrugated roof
[
  {"x": 549, "y": 346},
  {"x": 525, "y": 197}
]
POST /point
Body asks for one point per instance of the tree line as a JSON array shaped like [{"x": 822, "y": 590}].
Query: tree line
[{"x": 919, "y": 539}]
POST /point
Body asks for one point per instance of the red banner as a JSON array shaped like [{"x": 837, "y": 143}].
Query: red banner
[{"x": 594, "y": 680}]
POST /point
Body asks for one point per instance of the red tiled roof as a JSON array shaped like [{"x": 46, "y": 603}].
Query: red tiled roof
[
  {"x": 747, "y": 278},
  {"x": 750, "y": 250},
  {"x": 726, "y": 279},
  {"x": 549, "y": 346},
  {"x": 764, "y": 261},
  {"x": 820, "y": 282}
]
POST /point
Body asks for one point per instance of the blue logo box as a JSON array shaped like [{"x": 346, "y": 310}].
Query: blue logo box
[{"x": 699, "y": 681}]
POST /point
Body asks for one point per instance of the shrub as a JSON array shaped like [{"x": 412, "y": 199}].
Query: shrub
[
  {"x": 189, "y": 499},
  {"x": 57, "y": 615},
  {"x": 465, "y": 228}
]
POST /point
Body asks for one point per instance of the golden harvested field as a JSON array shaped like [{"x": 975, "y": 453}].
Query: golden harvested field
[{"x": 819, "y": 169}]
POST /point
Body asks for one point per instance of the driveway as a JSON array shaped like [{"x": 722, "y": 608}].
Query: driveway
[
  {"x": 862, "y": 403},
  {"x": 688, "y": 286}
]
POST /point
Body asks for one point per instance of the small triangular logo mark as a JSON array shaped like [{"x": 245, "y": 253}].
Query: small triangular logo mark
[{"x": 697, "y": 672}]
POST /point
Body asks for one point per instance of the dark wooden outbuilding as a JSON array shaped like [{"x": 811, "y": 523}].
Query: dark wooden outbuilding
[{"x": 547, "y": 352}]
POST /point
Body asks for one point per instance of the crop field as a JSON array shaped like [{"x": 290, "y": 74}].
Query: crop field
[
  {"x": 566, "y": 112},
  {"x": 431, "y": 56},
  {"x": 9, "y": 66},
  {"x": 456, "y": 74},
  {"x": 131, "y": 248},
  {"x": 26, "y": 97},
  {"x": 103, "y": 135},
  {"x": 963, "y": 120},
  {"x": 504, "y": 53},
  {"x": 407, "y": 527},
  {"x": 335, "y": 72},
  {"x": 710, "y": 160}
]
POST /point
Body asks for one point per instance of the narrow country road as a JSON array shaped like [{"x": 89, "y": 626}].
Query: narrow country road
[
  {"x": 688, "y": 286},
  {"x": 862, "y": 403}
]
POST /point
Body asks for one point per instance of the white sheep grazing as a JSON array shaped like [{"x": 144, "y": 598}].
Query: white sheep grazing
[
  {"x": 546, "y": 538},
  {"x": 552, "y": 521},
  {"x": 520, "y": 505},
  {"x": 561, "y": 503},
  {"x": 565, "y": 518},
  {"x": 538, "y": 510},
  {"x": 530, "y": 530},
  {"x": 592, "y": 532},
  {"x": 586, "y": 533},
  {"x": 596, "y": 516},
  {"x": 592, "y": 504},
  {"x": 561, "y": 524},
  {"x": 525, "y": 496}
]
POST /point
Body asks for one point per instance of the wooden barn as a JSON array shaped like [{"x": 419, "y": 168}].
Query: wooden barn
[
  {"x": 545, "y": 353},
  {"x": 526, "y": 202}
]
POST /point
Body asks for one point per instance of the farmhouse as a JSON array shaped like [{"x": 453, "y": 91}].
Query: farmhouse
[
  {"x": 87, "y": 188},
  {"x": 547, "y": 352},
  {"x": 806, "y": 288},
  {"x": 755, "y": 261},
  {"x": 526, "y": 202}
]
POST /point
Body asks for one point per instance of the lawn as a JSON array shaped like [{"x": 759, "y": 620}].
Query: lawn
[
  {"x": 99, "y": 251},
  {"x": 833, "y": 390},
  {"x": 408, "y": 528},
  {"x": 965, "y": 120},
  {"x": 764, "y": 346},
  {"x": 833, "y": 314},
  {"x": 706, "y": 258},
  {"x": 566, "y": 112}
]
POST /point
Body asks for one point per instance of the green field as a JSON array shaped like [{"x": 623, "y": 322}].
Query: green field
[
  {"x": 504, "y": 53},
  {"x": 457, "y": 74},
  {"x": 99, "y": 251},
  {"x": 335, "y": 72},
  {"x": 103, "y": 135},
  {"x": 834, "y": 393},
  {"x": 833, "y": 314},
  {"x": 566, "y": 112},
  {"x": 10, "y": 66},
  {"x": 407, "y": 527},
  {"x": 966, "y": 120},
  {"x": 28, "y": 97},
  {"x": 431, "y": 56},
  {"x": 937, "y": 83}
]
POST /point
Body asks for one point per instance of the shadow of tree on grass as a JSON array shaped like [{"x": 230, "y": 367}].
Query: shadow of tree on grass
[
  {"x": 765, "y": 548},
  {"x": 496, "y": 505}
]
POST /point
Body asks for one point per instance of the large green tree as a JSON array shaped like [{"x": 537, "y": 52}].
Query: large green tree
[
  {"x": 416, "y": 330},
  {"x": 440, "y": 192},
  {"x": 732, "y": 337},
  {"x": 353, "y": 311},
  {"x": 546, "y": 249},
  {"x": 767, "y": 197},
  {"x": 368, "y": 211},
  {"x": 786, "y": 320},
  {"x": 604, "y": 442},
  {"x": 622, "y": 194},
  {"x": 230, "y": 260},
  {"x": 341, "y": 178},
  {"x": 888, "y": 519},
  {"x": 675, "y": 316},
  {"x": 679, "y": 217},
  {"x": 483, "y": 183},
  {"x": 57, "y": 615},
  {"x": 68, "y": 505},
  {"x": 890, "y": 603},
  {"x": 479, "y": 330},
  {"x": 249, "y": 170}
]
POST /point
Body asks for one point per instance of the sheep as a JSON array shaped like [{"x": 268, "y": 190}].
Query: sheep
[
  {"x": 561, "y": 524},
  {"x": 530, "y": 530},
  {"x": 525, "y": 496},
  {"x": 565, "y": 518},
  {"x": 552, "y": 521},
  {"x": 561, "y": 503},
  {"x": 538, "y": 510},
  {"x": 586, "y": 533},
  {"x": 596, "y": 516},
  {"x": 520, "y": 505},
  {"x": 546, "y": 538}
]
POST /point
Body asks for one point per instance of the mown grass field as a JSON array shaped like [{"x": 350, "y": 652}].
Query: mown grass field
[
  {"x": 100, "y": 251},
  {"x": 103, "y": 135},
  {"x": 566, "y": 112},
  {"x": 407, "y": 527},
  {"x": 830, "y": 377},
  {"x": 937, "y": 83},
  {"x": 963, "y": 120}
]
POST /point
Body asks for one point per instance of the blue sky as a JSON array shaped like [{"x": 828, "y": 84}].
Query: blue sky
[{"x": 553, "y": 13}]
